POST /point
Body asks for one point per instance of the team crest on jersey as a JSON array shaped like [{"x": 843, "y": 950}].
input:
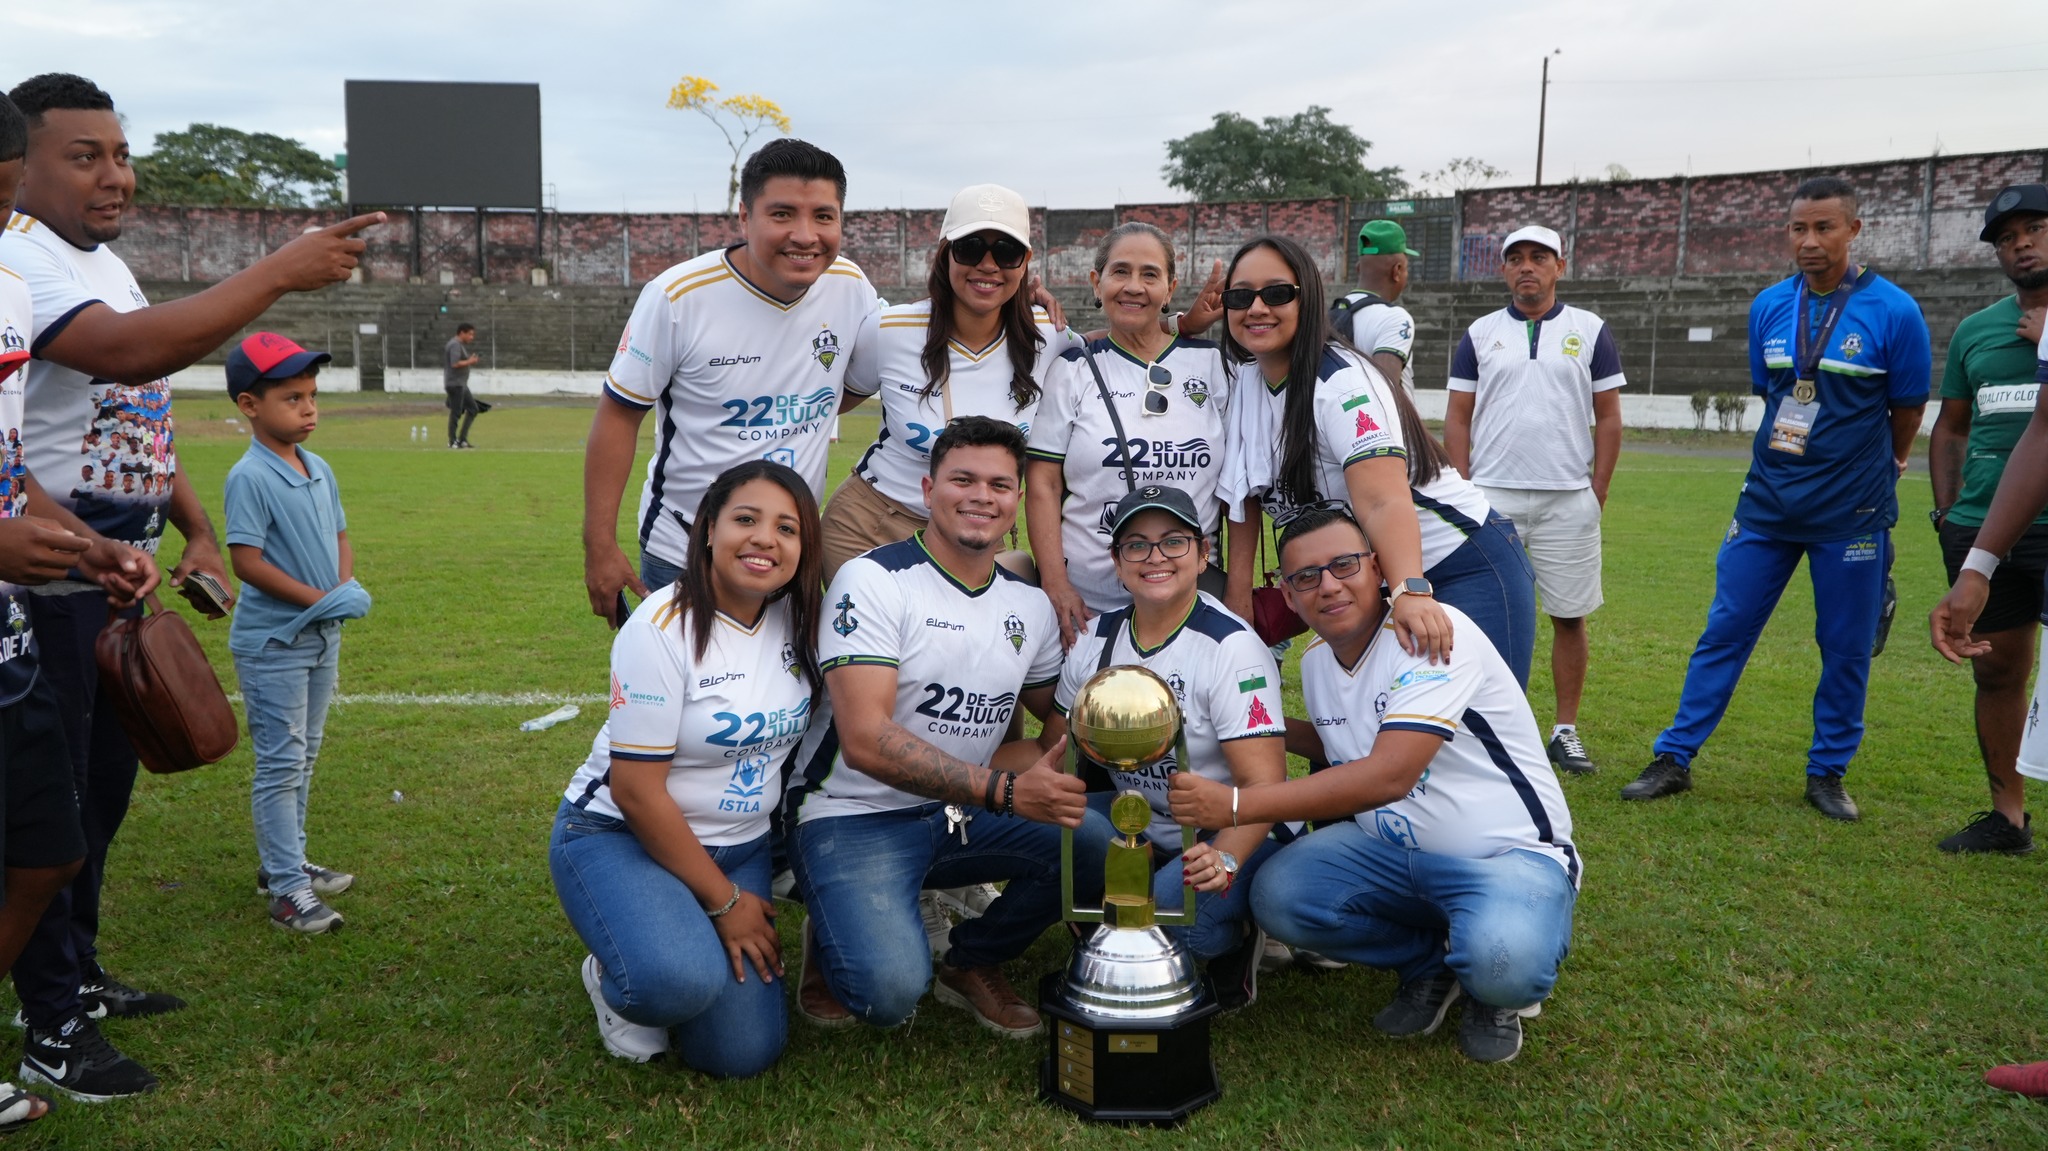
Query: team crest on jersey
[
  {"x": 1852, "y": 346},
  {"x": 1258, "y": 716},
  {"x": 1394, "y": 828},
  {"x": 17, "y": 619},
  {"x": 789, "y": 660},
  {"x": 1179, "y": 686},
  {"x": 618, "y": 693},
  {"x": 1013, "y": 630},
  {"x": 11, "y": 341},
  {"x": 844, "y": 623},
  {"x": 1573, "y": 345},
  {"x": 155, "y": 524},
  {"x": 1196, "y": 390},
  {"x": 825, "y": 347},
  {"x": 784, "y": 456},
  {"x": 1734, "y": 529},
  {"x": 1379, "y": 706}
]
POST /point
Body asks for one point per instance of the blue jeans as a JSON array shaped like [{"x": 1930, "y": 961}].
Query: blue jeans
[
  {"x": 285, "y": 692},
  {"x": 1341, "y": 892},
  {"x": 657, "y": 573},
  {"x": 664, "y": 963},
  {"x": 1489, "y": 578},
  {"x": 860, "y": 875},
  {"x": 1749, "y": 575},
  {"x": 1220, "y": 917}
]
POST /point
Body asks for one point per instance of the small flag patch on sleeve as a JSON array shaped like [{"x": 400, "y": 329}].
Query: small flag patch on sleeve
[{"x": 1251, "y": 679}]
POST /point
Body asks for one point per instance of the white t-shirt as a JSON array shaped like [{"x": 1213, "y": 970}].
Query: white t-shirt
[
  {"x": 17, "y": 634},
  {"x": 724, "y": 724},
  {"x": 734, "y": 375},
  {"x": 961, "y": 656},
  {"x": 66, "y": 406},
  {"x": 1356, "y": 420},
  {"x": 1383, "y": 327},
  {"x": 1532, "y": 407},
  {"x": 888, "y": 358},
  {"x": 1489, "y": 789},
  {"x": 1222, "y": 675},
  {"x": 1182, "y": 448}
]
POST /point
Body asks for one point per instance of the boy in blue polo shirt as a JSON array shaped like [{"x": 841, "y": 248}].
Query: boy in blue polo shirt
[{"x": 288, "y": 541}]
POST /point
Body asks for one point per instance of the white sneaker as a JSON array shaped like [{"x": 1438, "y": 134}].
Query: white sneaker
[
  {"x": 622, "y": 1037},
  {"x": 969, "y": 902},
  {"x": 783, "y": 887},
  {"x": 1277, "y": 957},
  {"x": 938, "y": 925}
]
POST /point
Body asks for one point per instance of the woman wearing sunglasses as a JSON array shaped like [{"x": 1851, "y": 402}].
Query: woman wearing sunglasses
[
  {"x": 1140, "y": 406},
  {"x": 1332, "y": 430},
  {"x": 976, "y": 347}
]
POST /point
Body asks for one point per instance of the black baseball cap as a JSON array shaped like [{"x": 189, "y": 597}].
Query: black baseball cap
[
  {"x": 2030, "y": 198},
  {"x": 1172, "y": 501}
]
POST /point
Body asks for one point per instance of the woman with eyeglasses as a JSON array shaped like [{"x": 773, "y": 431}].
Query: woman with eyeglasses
[
  {"x": 1140, "y": 406},
  {"x": 1333, "y": 430},
  {"x": 975, "y": 347},
  {"x": 1228, "y": 687}
]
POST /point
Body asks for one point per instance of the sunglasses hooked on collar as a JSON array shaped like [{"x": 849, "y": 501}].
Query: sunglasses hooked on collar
[{"x": 1157, "y": 380}]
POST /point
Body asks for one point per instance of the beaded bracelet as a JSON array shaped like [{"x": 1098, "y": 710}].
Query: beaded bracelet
[
  {"x": 1009, "y": 793},
  {"x": 729, "y": 904}
]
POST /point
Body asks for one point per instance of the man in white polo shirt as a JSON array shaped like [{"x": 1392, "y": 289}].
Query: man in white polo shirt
[{"x": 1535, "y": 421}]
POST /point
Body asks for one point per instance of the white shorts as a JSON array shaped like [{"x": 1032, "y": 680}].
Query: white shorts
[
  {"x": 1561, "y": 533},
  {"x": 2033, "y": 761}
]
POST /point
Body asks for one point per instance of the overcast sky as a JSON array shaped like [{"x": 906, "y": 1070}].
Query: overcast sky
[{"x": 1071, "y": 103}]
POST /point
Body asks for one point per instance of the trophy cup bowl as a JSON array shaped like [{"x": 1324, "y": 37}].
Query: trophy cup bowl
[{"x": 1124, "y": 717}]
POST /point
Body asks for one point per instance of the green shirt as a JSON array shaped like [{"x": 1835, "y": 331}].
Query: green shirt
[{"x": 1989, "y": 365}]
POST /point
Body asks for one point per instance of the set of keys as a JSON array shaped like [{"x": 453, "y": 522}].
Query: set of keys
[{"x": 957, "y": 819}]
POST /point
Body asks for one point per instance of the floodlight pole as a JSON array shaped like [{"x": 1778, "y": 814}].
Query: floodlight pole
[{"x": 1543, "y": 113}]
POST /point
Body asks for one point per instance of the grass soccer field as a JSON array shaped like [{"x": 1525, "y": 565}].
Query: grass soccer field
[{"x": 1744, "y": 973}]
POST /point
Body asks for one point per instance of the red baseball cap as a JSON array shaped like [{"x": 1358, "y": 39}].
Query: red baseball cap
[{"x": 267, "y": 356}]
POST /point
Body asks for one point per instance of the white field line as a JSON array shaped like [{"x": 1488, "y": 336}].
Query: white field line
[{"x": 458, "y": 699}]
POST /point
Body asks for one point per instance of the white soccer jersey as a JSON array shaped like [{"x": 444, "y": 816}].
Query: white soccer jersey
[
  {"x": 734, "y": 375},
  {"x": 961, "y": 656},
  {"x": 17, "y": 635},
  {"x": 1489, "y": 788},
  {"x": 1222, "y": 675},
  {"x": 724, "y": 724},
  {"x": 1533, "y": 382},
  {"x": 1378, "y": 326},
  {"x": 1182, "y": 448},
  {"x": 1356, "y": 420},
  {"x": 888, "y": 358},
  {"x": 66, "y": 407}
]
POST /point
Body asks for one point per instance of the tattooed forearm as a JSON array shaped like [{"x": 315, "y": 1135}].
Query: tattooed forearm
[{"x": 907, "y": 762}]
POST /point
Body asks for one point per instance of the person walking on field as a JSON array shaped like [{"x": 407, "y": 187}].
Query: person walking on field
[
  {"x": 463, "y": 408},
  {"x": 1534, "y": 419}
]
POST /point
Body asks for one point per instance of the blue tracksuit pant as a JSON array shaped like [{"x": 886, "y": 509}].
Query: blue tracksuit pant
[{"x": 1749, "y": 575}]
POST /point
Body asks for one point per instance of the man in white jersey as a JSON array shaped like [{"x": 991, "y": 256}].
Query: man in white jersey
[
  {"x": 928, "y": 647},
  {"x": 1456, "y": 867},
  {"x": 741, "y": 352},
  {"x": 1526, "y": 383},
  {"x": 1371, "y": 317},
  {"x": 100, "y": 358}
]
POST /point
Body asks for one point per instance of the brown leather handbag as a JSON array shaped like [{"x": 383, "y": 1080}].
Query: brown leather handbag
[{"x": 161, "y": 687}]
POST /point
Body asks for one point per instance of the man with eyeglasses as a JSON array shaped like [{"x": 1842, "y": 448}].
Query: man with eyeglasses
[
  {"x": 1988, "y": 395},
  {"x": 1534, "y": 419},
  {"x": 1443, "y": 848},
  {"x": 1371, "y": 317}
]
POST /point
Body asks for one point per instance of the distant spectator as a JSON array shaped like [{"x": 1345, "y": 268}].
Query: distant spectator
[
  {"x": 1372, "y": 317},
  {"x": 456, "y": 360}
]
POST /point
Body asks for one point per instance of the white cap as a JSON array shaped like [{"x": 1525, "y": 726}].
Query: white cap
[
  {"x": 985, "y": 207},
  {"x": 1534, "y": 233}
]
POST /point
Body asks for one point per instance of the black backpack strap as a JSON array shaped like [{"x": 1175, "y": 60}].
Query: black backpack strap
[
  {"x": 1341, "y": 317},
  {"x": 1123, "y": 442}
]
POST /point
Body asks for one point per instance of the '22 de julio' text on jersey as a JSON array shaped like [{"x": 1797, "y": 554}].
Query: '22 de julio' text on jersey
[
  {"x": 733, "y": 374},
  {"x": 962, "y": 656}
]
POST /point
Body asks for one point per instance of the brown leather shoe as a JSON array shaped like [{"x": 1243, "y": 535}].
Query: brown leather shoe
[
  {"x": 814, "y": 1000},
  {"x": 995, "y": 1004}
]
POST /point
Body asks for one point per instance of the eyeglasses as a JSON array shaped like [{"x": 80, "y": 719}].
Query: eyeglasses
[
  {"x": 1273, "y": 295},
  {"x": 1294, "y": 512},
  {"x": 1342, "y": 568},
  {"x": 1157, "y": 380},
  {"x": 1138, "y": 551},
  {"x": 968, "y": 250}
]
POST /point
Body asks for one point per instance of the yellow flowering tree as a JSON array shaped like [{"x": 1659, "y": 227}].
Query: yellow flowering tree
[{"x": 738, "y": 118}]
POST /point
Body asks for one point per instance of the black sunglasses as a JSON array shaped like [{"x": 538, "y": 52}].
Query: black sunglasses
[
  {"x": 1275, "y": 295},
  {"x": 1293, "y": 512},
  {"x": 968, "y": 251},
  {"x": 1157, "y": 380}
]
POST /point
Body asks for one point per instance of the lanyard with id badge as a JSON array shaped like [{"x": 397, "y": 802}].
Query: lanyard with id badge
[{"x": 1798, "y": 412}]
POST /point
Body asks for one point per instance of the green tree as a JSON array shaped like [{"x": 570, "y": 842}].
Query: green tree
[
  {"x": 1462, "y": 174},
  {"x": 1300, "y": 157},
  {"x": 739, "y": 118},
  {"x": 208, "y": 165}
]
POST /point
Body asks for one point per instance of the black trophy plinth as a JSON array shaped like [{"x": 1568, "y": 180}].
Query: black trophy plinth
[{"x": 1151, "y": 1071}]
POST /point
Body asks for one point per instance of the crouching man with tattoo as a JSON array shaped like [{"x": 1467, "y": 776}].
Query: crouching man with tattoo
[{"x": 905, "y": 783}]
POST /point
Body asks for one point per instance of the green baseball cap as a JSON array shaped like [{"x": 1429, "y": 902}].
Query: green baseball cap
[{"x": 1383, "y": 238}]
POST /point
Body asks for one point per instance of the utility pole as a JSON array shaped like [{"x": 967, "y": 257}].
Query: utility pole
[{"x": 1543, "y": 113}]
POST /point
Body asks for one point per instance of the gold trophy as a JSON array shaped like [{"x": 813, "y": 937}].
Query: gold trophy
[{"x": 1130, "y": 1015}]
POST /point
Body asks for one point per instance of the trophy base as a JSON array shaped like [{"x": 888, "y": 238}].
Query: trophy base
[{"x": 1126, "y": 1071}]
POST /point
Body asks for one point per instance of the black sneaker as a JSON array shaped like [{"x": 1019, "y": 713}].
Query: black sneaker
[
  {"x": 1419, "y": 1005},
  {"x": 1235, "y": 973},
  {"x": 1989, "y": 833},
  {"x": 77, "y": 1060},
  {"x": 1825, "y": 793},
  {"x": 1568, "y": 753},
  {"x": 103, "y": 995},
  {"x": 1665, "y": 776},
  {"x": 1490, "y": 1034}
]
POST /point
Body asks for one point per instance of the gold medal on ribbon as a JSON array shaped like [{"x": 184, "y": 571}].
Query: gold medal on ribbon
[{"x": 1803, "y": 391}]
